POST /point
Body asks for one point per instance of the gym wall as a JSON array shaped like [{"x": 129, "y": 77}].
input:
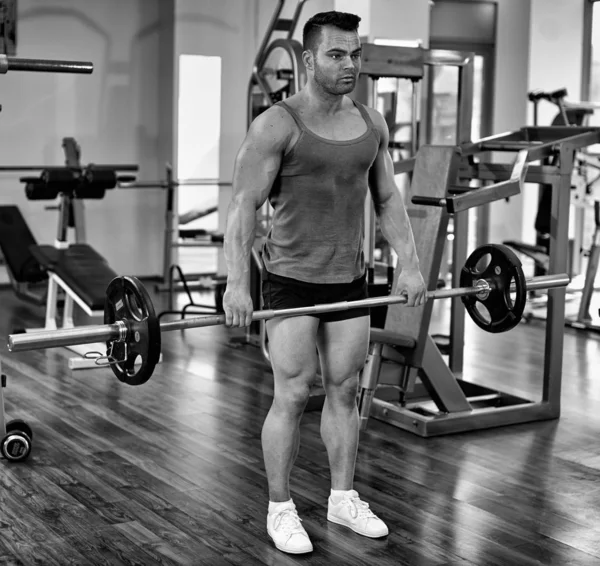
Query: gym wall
[{"x": 119, "y": 114}]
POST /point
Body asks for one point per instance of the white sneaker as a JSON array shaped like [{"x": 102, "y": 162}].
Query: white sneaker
[
  {"x": 355, "y": 514},
  {"x": 287, "y": 532}
]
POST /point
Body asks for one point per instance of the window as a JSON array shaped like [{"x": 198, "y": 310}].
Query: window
[{"x": 198, "y": 144}]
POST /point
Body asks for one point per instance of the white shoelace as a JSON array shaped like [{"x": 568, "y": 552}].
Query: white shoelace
[
  {"x": 360, "y": 509},
  {"x": 288, "y": 522}
]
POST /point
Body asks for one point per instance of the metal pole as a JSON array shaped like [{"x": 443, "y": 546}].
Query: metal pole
[
  {"x": 414, "y": 141},
  {"x": 44, "y": 65},
  {"x": 169, "y": 238},
  {"x": 466, "y": 74},
  {"x": 590, "y": 274},
  {"x": 115, "y": 331},
  {"x": 2, "y": 415},
  {"x": 370, "y": 218}
]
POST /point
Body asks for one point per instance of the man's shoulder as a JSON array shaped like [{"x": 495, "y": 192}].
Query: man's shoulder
[
  {"x": 296, "y": 101},
  {"x": 274, "y": 119},
  {"x": 271, "y": 130},
  {"x": 374, "y": 114}
]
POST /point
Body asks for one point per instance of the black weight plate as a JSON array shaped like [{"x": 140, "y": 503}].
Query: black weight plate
[
  {"x": 128, "y": 300},
  {"x": 19, "y": 424},
  {"x": 15, "y": 446},
  {"x": 504, "y": 268}
]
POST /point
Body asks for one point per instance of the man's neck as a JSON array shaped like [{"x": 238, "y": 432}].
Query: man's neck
[{"x": 322, "y": 102}]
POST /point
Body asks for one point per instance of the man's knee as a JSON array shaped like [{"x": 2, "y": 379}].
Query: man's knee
[
  {"x": 292, "y": 390},
  {"x": 344, "y": 389}
]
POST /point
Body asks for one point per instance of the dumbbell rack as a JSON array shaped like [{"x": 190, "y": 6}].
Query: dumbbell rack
[{"x": 15, "y": 435}]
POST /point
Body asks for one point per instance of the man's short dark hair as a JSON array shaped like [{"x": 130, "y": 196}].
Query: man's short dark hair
[{"x": 312, "y": 28}]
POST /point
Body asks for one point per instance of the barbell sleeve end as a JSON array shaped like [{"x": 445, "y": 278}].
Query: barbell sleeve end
[
  {"x": 551, "y": 281},
  {"x": 40, "y": 339}
]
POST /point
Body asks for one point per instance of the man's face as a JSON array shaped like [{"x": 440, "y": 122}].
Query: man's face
[{"x": 337, "y": 60}]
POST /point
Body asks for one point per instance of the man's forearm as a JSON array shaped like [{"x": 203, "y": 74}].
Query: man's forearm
[
  {"x": 396, "y": 229},
  {"x": 239, "y": 239}
]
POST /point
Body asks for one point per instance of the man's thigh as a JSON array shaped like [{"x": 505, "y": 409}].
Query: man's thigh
[{"x": 343, "y": 347}]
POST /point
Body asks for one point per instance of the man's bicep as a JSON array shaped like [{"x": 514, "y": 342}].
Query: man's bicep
[
  {"x": 259, "y": 159},
  {"x": 255, "y": 171},
  {"x": 381, "y": 177}
]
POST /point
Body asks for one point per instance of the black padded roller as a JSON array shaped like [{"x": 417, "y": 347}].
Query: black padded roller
[
  {"x": 36, "y": 189},
  {"x": 101, "y": 178}
]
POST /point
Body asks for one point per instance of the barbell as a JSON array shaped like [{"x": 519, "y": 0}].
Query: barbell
[{"x": 493, "y": 289}]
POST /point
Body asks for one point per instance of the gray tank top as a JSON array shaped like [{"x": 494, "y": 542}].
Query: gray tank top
[{"x": 317, "y": 230}]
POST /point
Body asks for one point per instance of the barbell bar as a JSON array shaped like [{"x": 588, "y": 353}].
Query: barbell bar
[
  {"x": 117, "y": 331},
  {"x": 132, "y": 331}
]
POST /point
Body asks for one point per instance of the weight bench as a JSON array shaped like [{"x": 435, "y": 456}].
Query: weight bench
[
  {"x": 23, "y": 270},
  {"x": 83, "y": 275},
  {"x": 75, "y": 268}
]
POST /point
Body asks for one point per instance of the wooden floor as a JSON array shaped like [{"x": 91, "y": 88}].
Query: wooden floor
[{"x": 171, "y": 472}]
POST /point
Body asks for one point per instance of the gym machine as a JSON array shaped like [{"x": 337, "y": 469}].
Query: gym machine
[
  {"x": 406, "y": 382},
  {"x": 16, "y": 435},
  {"x": 584, "y": 198},
  {"x": 409, "y": 63}
]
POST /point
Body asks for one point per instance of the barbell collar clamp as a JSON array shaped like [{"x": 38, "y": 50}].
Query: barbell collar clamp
[
  {"x": 484, "y": 289},
  {"x": 123, "y": 330}
]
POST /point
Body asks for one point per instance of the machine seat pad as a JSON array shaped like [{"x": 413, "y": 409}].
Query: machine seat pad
[
  {"x": 81, "y": 267},
  {"x": 390, "y": 338}
]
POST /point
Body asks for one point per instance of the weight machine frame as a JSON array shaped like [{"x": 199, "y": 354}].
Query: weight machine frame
[
  {"x": 443, "y": 403},
  {"x": 381, "y": 61},
  {"x": 583, "y": 161}
]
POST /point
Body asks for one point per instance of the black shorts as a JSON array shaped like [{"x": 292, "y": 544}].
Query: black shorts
[{"x": 286, "y": 293}]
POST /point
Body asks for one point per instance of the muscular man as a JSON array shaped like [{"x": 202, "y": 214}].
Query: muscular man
[{"x": 315, "y": 156}]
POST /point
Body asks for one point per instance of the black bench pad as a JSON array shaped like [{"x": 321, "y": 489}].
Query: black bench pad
[
  {"x": 15, "y": 239},
  {"x": 81, "y": 267}
]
